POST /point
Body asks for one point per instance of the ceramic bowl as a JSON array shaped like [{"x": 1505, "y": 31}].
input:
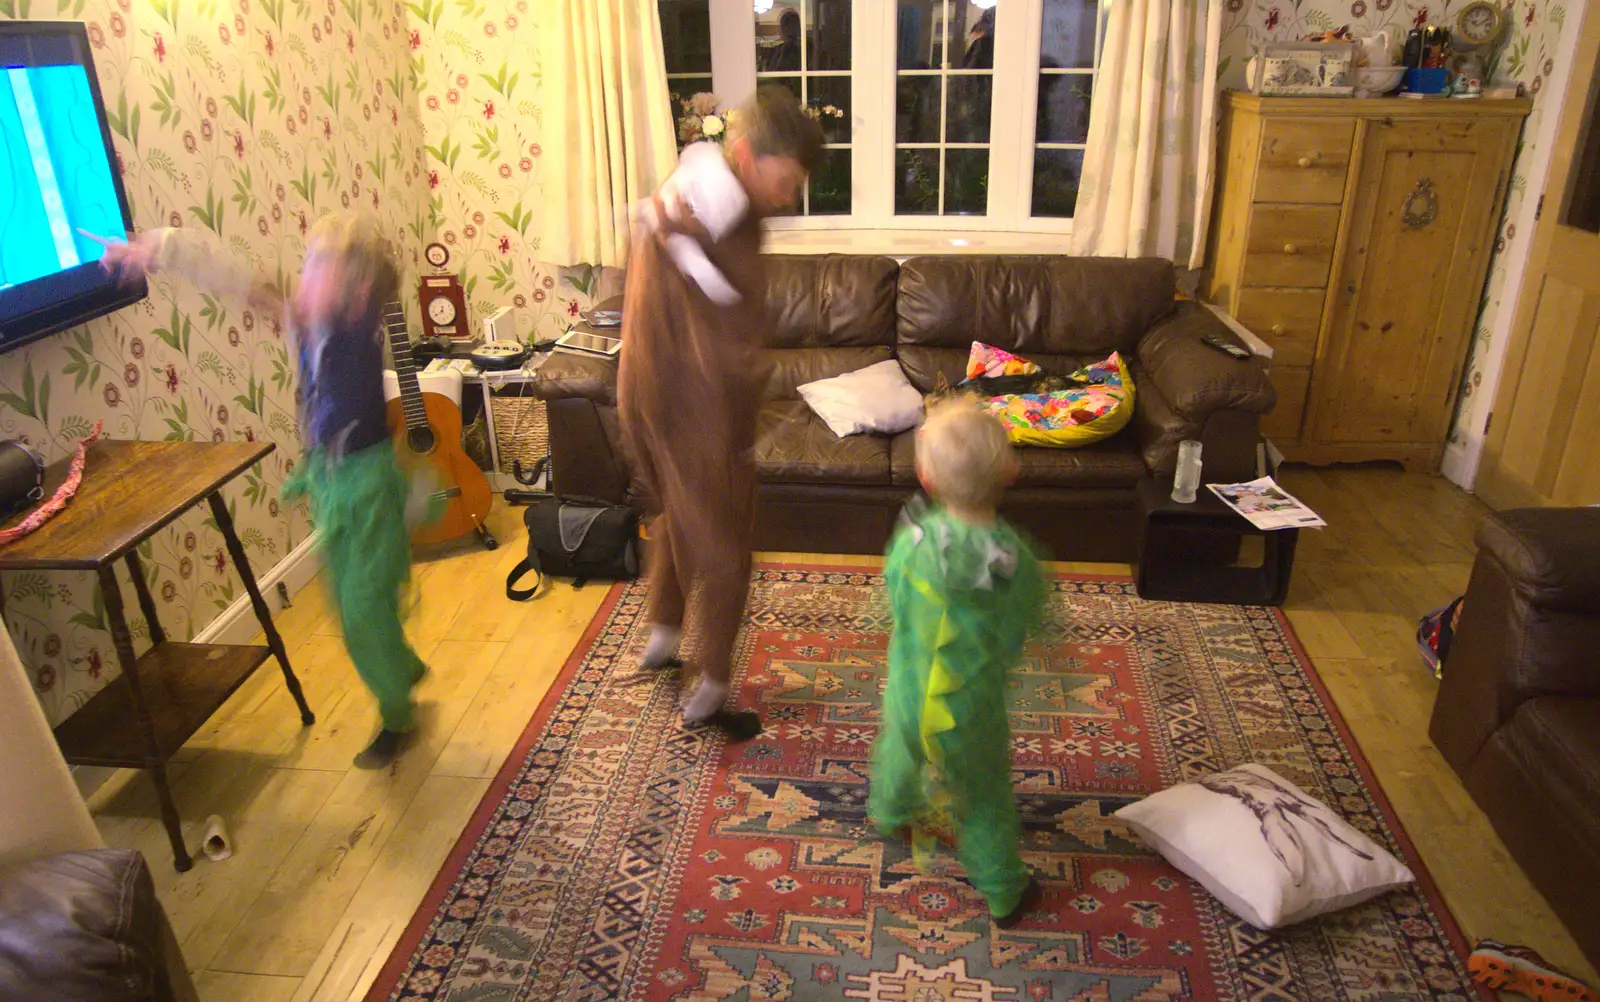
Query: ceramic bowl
[{"x": 1375, "y": 81}]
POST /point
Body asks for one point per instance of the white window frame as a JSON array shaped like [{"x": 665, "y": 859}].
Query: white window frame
[{"x": 872, "y": 225}]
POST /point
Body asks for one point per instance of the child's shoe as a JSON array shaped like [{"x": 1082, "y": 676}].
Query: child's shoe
[
  {"x": 384, "y": 749},
  {"x": 1519, "y": 969},
  {"x": 1031, "y": 896}
]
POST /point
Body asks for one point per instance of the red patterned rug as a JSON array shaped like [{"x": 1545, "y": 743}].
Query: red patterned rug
[{"x": 618, "y": 855}]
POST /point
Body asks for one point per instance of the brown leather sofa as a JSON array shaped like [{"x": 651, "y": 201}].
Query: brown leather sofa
[
  {"x": 86, "y": 926},
  {"x": 832, "y": 314},
  {"x": 1518, "y": 713}
]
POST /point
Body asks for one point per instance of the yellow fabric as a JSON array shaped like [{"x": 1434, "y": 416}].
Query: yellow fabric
[
  {"x": 1100, "y": 428},
  {"x": 605, "y": 83}
]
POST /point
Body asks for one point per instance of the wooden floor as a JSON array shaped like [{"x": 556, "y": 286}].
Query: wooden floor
[{"x": 331, "y": 862}]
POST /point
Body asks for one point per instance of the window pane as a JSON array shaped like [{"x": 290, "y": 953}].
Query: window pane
[
  {"x": 830, "y": 185},
  {"x": 828, "y": 35},
  {"x": 918, "y": 48},
  {"x": 686, "y": 35},
  {"x": 916, "y": 182},
  {"x": 1064, "y": 107},
  {"x": 967, "y": 111},
  {"x": 971, "y": 36},
  {"x": 916, "y": 112},
  {"x": 1055, "y": 182},
  {"x": 683, "y": 88},
  {"x": 832, "y": 92},
  {"x": 966, "y": 181},
  {"x": 778, "y": 38},
  {"x": 1067, "y": 38}
]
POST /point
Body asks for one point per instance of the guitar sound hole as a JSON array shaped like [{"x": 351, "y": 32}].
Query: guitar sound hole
[{"x": 420, "y": 440}]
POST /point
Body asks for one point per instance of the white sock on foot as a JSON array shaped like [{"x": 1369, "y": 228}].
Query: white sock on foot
[
  {"x": 708, "y": 698},
  {"x": 662, "y": 647}
]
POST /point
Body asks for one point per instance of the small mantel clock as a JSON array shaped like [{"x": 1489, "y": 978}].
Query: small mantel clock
[{"x": 444, "y": 304}]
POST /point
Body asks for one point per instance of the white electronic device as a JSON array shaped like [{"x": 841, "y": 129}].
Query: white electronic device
[
  {"x": 589, "y": 344},
  {"x": 501, "y": 326}
]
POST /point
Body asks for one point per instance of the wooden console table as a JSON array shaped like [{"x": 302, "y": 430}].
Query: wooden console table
[{"x": 130, "y": 491}]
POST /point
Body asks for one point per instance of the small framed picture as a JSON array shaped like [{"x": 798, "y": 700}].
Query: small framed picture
[{"x": 1305, "y": 69}]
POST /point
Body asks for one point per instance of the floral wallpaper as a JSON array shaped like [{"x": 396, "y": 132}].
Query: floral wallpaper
[
  {"x": 479, "y": 80},
  {"x": 250, "y": 118},
  {"x": 1527, "y": 56}
]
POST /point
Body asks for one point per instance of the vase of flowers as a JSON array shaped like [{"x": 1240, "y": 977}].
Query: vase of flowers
[{"x": 699, "y": 120}]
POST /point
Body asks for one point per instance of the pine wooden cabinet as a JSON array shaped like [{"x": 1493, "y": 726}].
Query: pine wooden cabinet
[{"x": 1354, "y": 236}]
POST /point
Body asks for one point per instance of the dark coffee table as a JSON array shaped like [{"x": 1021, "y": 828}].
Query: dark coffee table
[{"x": 1186, "y": 551}]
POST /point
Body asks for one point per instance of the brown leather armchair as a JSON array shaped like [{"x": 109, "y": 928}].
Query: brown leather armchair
[
  {"x": 832, "y": 314},
  {"x": 1518, "y": 713}
]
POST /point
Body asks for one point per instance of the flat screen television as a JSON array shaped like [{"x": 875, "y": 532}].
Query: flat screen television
[{"x": 57, "y": 177}]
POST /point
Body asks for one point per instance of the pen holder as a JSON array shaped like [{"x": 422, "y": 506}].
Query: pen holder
[{"x": 1434, "y": 80}]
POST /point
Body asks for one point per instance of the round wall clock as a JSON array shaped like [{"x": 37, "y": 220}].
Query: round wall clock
[
  {"x": 1479, "y": 23},
  {"x": 437, "y": 255}
]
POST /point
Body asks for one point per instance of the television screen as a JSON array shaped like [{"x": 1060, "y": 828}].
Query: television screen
[{"x": 58, "y": 180}]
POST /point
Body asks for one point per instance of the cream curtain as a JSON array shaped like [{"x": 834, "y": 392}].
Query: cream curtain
[
  {"x": 606, "y": 102},
  {"x": 1148, "y": 169}
]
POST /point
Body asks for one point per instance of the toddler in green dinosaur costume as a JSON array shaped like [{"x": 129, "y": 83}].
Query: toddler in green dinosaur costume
[{"x": 965, "y": 590}]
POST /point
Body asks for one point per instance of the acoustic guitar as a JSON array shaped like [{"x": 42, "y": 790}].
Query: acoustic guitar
[{"x": 427, "y": 435}]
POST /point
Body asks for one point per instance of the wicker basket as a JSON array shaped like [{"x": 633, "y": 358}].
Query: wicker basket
[{"x": 522, "y": 430}]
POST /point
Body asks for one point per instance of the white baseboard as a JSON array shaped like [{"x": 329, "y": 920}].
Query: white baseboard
[
  {"x": 235, "y": 625},
  {"x": 1456, "y": 466}
]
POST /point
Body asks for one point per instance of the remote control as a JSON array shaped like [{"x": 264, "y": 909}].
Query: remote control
[{"x": 1227, "y": 347}]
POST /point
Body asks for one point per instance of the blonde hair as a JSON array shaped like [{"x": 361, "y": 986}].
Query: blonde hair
[
  {"x": 964, "y": 455},
  {"x": 355, "y": 241}
]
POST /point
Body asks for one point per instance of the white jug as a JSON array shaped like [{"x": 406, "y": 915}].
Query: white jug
[{"x": 1375, "y": 51}]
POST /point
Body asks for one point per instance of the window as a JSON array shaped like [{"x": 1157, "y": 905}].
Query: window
[
  {"x": 938, "y": 134},
  {"x": 944, "y": 94},
  {"x": 1069, "y": 43},
  {"x": 686, "y": 37},
  {"x": 804, "y": 45}
]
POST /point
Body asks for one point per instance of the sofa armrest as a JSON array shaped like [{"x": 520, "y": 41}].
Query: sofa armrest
[
  {"x": 565, "y": 376},
  {"x": 1188, "y": 390},
  {"x": 1551, "y": 554},
  {"x": 1195, "y": 379},
  {"x": 1530, "y": 625}
]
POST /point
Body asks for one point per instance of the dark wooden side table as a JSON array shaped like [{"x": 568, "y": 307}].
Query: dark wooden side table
[
  {"x": 130, "y": 491},
  {"x": 1185, "y": 551}
]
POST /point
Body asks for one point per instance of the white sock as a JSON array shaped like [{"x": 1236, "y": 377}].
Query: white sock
[
  {"x": 708, "y": 698},
  {"x": 662, "y": 647}
]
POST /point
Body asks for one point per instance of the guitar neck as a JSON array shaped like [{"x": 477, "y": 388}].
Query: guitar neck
[{"x": 394, "y": 320}]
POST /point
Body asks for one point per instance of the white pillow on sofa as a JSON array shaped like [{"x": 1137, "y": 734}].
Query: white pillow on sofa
[
  {"x": 1261, "y": 846},
  {"x": 878, "y": 398}
]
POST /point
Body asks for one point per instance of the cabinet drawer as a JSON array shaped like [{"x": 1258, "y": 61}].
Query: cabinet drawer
[
  {"x": 1303, "y": 160},
  {"x": 1290, "y": 245},
  {"x": 1287, "y": 319},
  {"x": 1292, "y": 384}
]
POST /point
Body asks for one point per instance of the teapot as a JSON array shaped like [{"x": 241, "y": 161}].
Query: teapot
[{"x": 1374, "y": 50}]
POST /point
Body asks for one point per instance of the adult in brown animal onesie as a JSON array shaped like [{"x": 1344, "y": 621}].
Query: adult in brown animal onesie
[{"x": 688, "y": 389}]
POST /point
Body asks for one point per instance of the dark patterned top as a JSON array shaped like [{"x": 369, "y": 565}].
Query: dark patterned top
[{"x": 342, "y": 409}]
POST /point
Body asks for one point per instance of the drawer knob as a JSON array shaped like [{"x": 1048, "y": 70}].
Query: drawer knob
[
  {"x": 1306, "y": 161},
  {"x": 1277, "y": 330},
  {"x": 1290, "y": 249}
]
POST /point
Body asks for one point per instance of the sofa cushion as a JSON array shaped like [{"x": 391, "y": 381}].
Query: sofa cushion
[
  {"x": 1113, "y": 463},
  {"x": 1045, "y": 304},
  {"x": 830, "y": 300},
  {"x": 793, "y": 445}
]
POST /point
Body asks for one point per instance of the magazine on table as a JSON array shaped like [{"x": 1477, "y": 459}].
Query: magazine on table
[{"x": 1267, "y": 505}]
